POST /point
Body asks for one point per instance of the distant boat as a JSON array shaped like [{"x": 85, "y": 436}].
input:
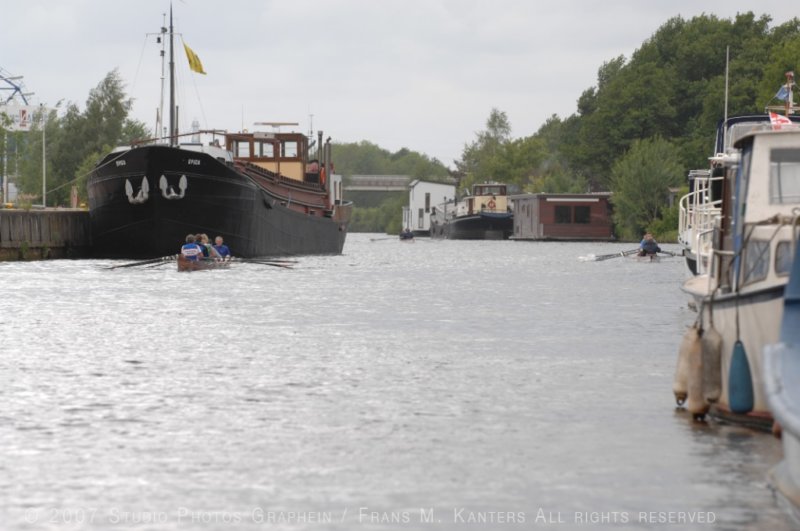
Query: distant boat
[
  {"x": 485, "y": 214},
  {"x": 266, "y": 194},
  {"x": 740, "y": 295}
]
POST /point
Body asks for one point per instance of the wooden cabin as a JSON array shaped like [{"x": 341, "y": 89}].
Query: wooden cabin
[{"x": 562, "y": 217}]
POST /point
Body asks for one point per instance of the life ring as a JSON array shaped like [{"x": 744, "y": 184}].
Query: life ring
[{"x": 491, "y": 204}]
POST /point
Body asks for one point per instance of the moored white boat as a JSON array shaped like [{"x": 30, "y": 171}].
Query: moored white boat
[
  {"x": 741, "y": 294},
  {"x": 701, "y": 207}
]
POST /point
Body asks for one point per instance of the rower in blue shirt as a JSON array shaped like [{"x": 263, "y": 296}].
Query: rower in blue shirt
[
  {"x": 648, "y": 246},
  {"x": 221, "y": 248},
  {"x": 190, "y": 250}
]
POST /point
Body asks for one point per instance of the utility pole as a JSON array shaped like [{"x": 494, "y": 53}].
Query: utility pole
[{"x": 44, "y": 156}]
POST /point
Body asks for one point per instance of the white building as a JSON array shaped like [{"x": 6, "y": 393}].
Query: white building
[{"x": 422, "y": 197}]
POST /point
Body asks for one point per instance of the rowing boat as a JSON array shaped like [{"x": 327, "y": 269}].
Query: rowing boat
[{"x": 202, "y": 265}]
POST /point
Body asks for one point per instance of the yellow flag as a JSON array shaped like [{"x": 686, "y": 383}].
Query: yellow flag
[{"x": 194, "y": 61}]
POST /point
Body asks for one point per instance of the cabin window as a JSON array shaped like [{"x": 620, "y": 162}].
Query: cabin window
[
  {"x": 756, "y": 261},
  {"x": 563, "y": 214},
  {"x": 266, "y": 150},
  {"x": 583, "y": 214},
  {"x": 427, "y": 202},
  {"x": 290, "y": 149},
  {"x": 784, "y": 176},
  {"x": 783, "y": 258},
  {"x": 242, "y": 149},
  {"x": 421, "y": 219}
]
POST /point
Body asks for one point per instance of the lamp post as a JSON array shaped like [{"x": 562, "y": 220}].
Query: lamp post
[{"x": 44, "y": 158}]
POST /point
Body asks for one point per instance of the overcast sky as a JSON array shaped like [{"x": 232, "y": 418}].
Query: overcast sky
[{"x": 421, "y": 74}]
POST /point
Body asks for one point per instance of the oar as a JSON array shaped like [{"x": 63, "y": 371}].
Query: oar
[
  {"x": 265, "y": 259},
  {"x": 380, "y": 239},
  {"x": 615, "y": 255},
  {"x": 669, "y": 253},
  {"x": 273, "y": 264},
  {"x": 145, "y": 262}
]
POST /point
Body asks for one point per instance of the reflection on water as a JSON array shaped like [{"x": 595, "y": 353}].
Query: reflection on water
[{"x": 430, "y": 385}]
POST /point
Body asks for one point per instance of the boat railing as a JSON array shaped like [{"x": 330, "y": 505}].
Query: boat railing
[
  {"x": 704, "y": 250},
  {"x": 697, "y": 213}
]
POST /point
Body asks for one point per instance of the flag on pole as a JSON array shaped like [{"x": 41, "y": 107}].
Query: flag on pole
[
  {"x": 778, "y": 120},
  {"x": 194, "y": 62},
  {"x": 783, "y": 93}
]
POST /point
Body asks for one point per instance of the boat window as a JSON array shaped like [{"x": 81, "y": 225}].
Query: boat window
[
  {"x": 784, "y": 176},
  {"x": 266, "y": 149},
  {"x": 756, "y": 261},
  {"x": 783, "y": 258},
  {"x": 290, "y": 149},
  {"x": 583, "y": 214},
  {"x": 563, "y": 214},
  {"x": 242, "y": 149}
]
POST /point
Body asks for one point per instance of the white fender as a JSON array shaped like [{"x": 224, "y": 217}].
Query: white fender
[
  {"x": 695, "y": 402},
  {"x": 680, "y": 385}
]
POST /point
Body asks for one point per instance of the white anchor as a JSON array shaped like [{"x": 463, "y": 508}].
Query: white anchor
[
  {"x": 169, "y": 192},
  {"x": 141, "y": 196}
]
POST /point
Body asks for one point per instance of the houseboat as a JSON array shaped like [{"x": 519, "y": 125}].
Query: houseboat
[
  {"x": 562, "y": 217},
  {"x": 484, "y": 214},
  {"x": 422, "y": 196},
  {"x": 740, "y": 297},
  {"x": 266, "y": 193}
]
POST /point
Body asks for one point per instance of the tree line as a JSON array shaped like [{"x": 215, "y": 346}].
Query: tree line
[{"x": 636, "y": 132}]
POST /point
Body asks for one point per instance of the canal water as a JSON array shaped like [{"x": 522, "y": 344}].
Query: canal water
[{"x": 433, "y": 385}]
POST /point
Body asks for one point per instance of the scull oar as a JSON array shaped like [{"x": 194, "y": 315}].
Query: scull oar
[
  {"x": 145, "y": 262},
  {"x": 614, "y": 255}
]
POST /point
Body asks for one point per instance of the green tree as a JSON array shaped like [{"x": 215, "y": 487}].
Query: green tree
[
  {"x": 75, "y": 136},
  {"x": 485, "y": 158},
  {"x": 641, "y": 180}
]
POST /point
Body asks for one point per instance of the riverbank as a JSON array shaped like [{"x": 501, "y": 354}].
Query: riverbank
[{"x": 44, "y": 234}]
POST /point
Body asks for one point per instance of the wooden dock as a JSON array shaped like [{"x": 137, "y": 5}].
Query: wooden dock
[{"x": 44, "y": 234}]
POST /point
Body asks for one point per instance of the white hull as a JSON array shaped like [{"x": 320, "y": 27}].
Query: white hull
[
  {"x": 759, "y": 324},
  {"x": 782, "y": 373}
]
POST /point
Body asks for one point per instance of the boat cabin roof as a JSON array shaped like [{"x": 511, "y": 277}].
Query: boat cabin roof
[{"x": 770, "y": 164}]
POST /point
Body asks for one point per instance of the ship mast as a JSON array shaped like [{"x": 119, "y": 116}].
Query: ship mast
[
  {"x": 160, "y": 119},
  {"x": 173, "y": 126}
]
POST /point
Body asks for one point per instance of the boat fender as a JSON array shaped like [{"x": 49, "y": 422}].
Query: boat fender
[
  {"x": 695, "y": 402},
  {"x": 740, "y": 381},
  {"x": 712, "y": 364},
  {"x": 680, "y": 385}
]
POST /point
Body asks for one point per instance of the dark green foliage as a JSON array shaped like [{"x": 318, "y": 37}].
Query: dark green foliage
[
  {"x": 641, "y": 180},
  {"x": 74, "y": 139},
  {"x": 365, "y": 158}
]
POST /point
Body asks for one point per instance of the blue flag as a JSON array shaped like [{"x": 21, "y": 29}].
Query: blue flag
[{"x": 783, "y": 93}]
